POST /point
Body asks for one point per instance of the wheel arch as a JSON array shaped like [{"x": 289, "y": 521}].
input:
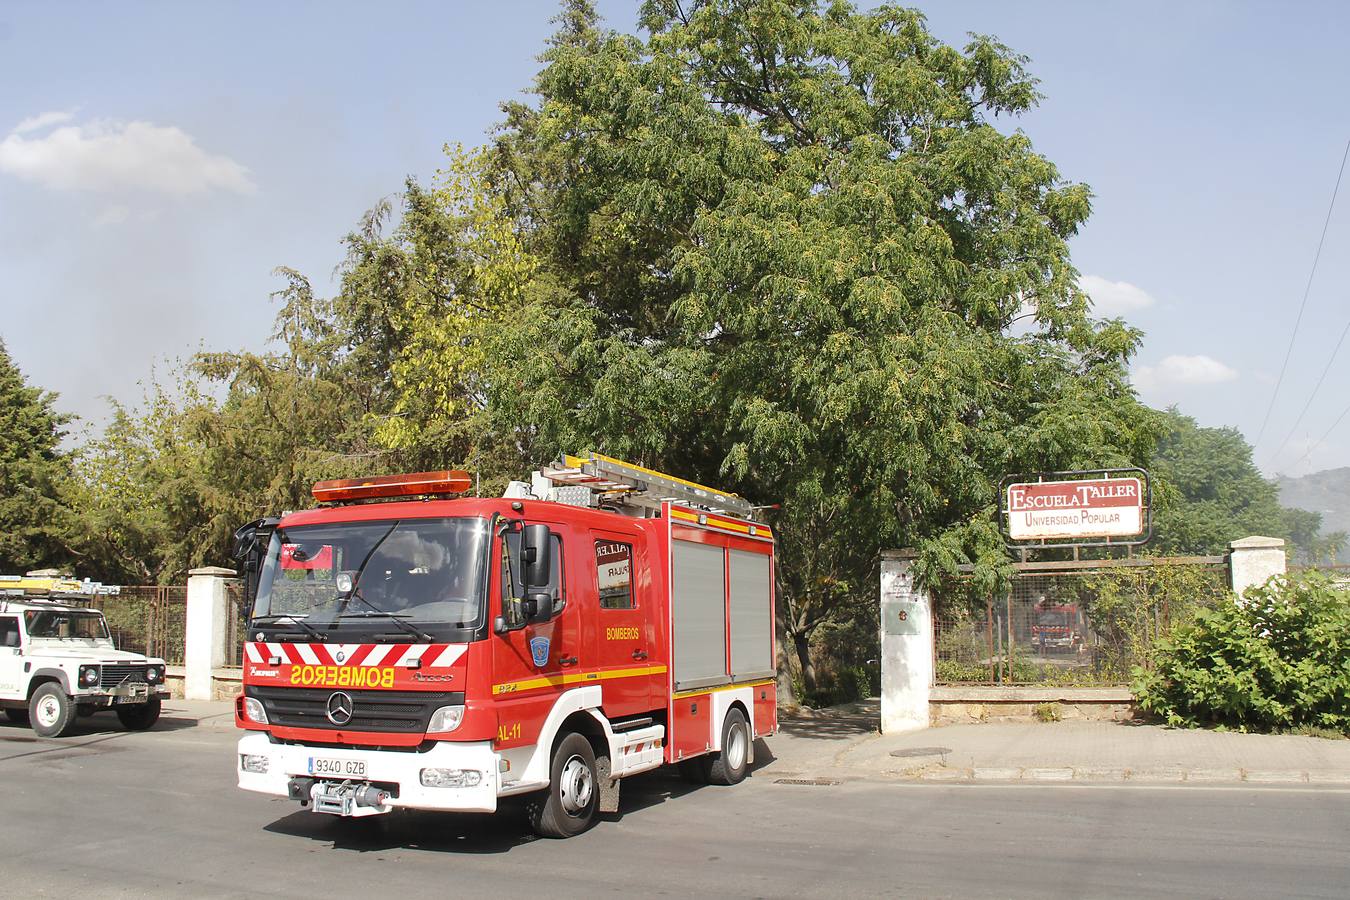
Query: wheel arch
[{"x": 47, "y": 676}]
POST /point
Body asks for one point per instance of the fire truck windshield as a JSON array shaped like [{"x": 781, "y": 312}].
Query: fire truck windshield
[{"x": 410, "y": 576}]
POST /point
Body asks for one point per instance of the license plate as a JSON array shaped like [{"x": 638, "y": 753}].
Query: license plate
[{"x": 339, "y": 768}]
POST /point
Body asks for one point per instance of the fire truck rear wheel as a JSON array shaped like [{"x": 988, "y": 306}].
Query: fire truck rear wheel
[
  {"x": 50, "y": 711},
  {"x": 568, "y": 807},
  {"x": 139, "y": 716},
  {"x": 728, "y": 766}
]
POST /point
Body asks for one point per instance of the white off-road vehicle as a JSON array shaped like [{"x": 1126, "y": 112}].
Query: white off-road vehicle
[{"x": 58, "y": 661}]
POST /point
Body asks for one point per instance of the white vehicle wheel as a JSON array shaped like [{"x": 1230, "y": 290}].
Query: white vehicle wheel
[{"x": 50, "y": 711}]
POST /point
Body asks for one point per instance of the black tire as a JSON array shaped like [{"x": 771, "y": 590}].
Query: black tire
[
  {"x": 568, "y": 807},
  {"x": 729, "y": 765},
  {"x": 50, "y": 711},
  {"x": 17, "y": 716},
  {"x": 139, "y": 716}
]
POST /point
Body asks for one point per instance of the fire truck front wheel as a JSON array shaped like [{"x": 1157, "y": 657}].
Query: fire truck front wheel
[
  {"x": 568, "y": 807},
  {"x": 50, "y": 711}
]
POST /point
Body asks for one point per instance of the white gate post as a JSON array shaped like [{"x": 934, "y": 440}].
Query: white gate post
[
  {"x": 207, "y": 624},
  {"x": 906, "y": 645},
  {"x": 1253, "y": 560}
]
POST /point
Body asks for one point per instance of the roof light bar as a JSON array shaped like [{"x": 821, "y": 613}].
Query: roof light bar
[{"x": 416, "y": 484}]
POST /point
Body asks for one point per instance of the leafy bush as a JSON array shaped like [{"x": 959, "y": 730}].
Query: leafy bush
[{"x": 1279, "y": 659}]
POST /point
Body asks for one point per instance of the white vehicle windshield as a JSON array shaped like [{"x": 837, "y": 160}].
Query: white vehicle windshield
[
  {"x": 63, "y": 623},
  {"x": 363, "y": 574}
]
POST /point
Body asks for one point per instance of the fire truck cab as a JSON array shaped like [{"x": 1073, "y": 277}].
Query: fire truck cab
[{"x": 412, "y": 651}]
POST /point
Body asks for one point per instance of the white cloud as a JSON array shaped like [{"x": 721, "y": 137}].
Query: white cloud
[
  {"x": 1176, "y": 371},
  {"x": 42, "y": 120},
  {"x": 1114, "y": 298},
  {"x": 107, "y": 156}
]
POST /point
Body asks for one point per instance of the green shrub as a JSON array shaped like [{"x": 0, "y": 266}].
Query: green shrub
[
  {"x": 1276, "y": 661},
  {"x": 1047, "y": 712}
]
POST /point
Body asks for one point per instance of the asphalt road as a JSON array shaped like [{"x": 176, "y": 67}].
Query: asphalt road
[{"x": 105, "y": 813}]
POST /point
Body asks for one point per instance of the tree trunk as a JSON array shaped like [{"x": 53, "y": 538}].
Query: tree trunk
[{"x": 801, "y": 641}]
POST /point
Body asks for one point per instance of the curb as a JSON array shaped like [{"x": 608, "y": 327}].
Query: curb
[{"x": 1086, "y": 774}]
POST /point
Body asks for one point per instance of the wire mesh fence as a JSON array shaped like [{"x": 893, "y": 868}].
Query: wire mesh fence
[
  {"x": 147, "y": 619},
  {"x": 1085, "y": 627},
  {"x": 152, "y": 619}
]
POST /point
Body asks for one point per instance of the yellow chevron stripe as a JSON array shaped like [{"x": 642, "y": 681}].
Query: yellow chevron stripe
[{"x": 529, "y": 684}]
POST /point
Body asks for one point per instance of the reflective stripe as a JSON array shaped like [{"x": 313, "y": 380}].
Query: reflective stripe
[
  {"x": 512, "y": 687},
  {"x": 722, "y": 687}
]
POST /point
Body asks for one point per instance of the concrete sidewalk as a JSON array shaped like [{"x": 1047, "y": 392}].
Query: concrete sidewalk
[{"x": 844, "y": 743}]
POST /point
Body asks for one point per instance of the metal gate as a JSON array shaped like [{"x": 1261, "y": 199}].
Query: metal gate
[{"x": 1072, "y": 622}]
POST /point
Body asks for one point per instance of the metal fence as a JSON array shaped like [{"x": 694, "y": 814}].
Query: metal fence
[
  {"x": 147, "y": 619},
  {"x": 152, "y": 619},
  {"x": 1086, "y": 623}
]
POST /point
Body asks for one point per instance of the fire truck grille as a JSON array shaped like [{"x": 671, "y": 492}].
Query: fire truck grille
[
  {"x": 402, "y": 712},
  {"x": 112, "y": 676}
]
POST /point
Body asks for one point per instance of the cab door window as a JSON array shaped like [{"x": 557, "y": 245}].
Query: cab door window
[
  {"x": 614, "y": 574},
  {"x": 513, "y": 588}
]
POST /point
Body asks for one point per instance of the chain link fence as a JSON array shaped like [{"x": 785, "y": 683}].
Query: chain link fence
[{"x": 1071, "y": 626}]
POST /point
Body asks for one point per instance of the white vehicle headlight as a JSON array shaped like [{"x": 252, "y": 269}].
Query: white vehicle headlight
[
  {"x": 253, "y": 762},
  {"x": 89, "y": 675},
  {"x": 253, "y": 709},
  {"x": 447, "y": 718},
  {"x": 451, "y": 778}
]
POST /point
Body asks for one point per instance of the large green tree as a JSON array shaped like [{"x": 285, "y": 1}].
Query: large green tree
[
  {"x": 785, "y": 248},
  {"x": 34, "y": 520},
  {"x": 1209, "y": 492}
]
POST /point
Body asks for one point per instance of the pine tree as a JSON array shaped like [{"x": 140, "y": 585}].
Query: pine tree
[{"x": 32, "y": 471}]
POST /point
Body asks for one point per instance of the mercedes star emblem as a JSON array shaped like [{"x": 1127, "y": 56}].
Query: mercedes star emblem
[{"x": 340, "y": 708}]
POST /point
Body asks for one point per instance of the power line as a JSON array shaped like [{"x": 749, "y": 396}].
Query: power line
[
  {"x": 1323, "y": 377},
  {"x": 1306, "y": 290},
  {"x": 1313, "y": 446}
]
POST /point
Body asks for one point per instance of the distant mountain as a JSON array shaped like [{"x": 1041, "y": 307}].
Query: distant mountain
[{"x": 1326, "y": 492}]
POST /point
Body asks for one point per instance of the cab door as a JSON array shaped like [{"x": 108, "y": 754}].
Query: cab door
[
  {"x": 624, "y": 633},
  {"x": 530, "y": 662},
  {"x": 12, "y": 681}
]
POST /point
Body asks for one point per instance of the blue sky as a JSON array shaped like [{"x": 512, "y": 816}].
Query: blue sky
[{"x": 158, "y": 160}]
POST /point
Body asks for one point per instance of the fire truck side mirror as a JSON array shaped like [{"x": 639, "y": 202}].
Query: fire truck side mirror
[
  {"x": 535, "y": 555},
  {"x": 538, "y": 607}
]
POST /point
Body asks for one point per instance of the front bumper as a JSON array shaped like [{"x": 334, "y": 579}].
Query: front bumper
[
  {"x": 121, "y": 695},
  {"x": 383, "y": 767}
]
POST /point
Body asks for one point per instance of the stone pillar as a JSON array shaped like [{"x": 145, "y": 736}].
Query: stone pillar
[
  {"x": 207, "y": 626},
  {"x": 1252, "y": 560},
  {"x": 906, "y": 645}
]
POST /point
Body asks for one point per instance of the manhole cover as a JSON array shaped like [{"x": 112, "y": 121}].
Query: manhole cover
[
  {"x": 922, "y": 751},
  {"x": 820, "y": 782}
]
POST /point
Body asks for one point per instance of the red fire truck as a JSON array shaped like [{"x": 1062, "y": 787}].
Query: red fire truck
[{"x": 408, "y": 649}]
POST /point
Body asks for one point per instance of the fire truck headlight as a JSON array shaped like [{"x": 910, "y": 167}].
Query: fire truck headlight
[
  {"x": 447, "y": 718},
  {"x": 451, "y": 778},
  {"x": 253, "y": 709},
  {"x": 255, "y": 763}
]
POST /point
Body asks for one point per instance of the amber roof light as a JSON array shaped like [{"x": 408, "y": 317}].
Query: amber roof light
[{"x": 416, "y": 484}]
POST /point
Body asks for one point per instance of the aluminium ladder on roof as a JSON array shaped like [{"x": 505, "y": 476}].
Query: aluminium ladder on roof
[{"x": 627, "y": 483}]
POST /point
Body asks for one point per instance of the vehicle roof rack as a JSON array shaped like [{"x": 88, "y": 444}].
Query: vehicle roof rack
[{"x": 614, "y": 481}]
